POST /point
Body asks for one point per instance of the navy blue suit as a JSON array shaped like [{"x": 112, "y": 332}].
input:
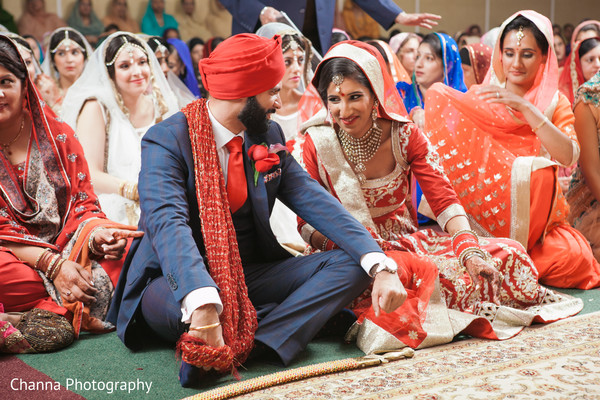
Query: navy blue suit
[
  {"x": 246, "y": 14},
  {"x": 294, "y": 296}
]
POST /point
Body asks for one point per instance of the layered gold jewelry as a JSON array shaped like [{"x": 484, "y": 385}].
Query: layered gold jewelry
[
  {"x": 129, "y": 190},
  {"x": 360, "y": 150}
]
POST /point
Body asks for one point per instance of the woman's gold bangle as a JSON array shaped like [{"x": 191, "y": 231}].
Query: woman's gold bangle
[
  {"x": 205, "y": 327},
  {"x": 544, "y": 121}
]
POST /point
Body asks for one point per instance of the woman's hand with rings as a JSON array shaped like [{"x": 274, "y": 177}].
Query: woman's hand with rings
[
  {"x": 496, "y": 94},
  {"x": 74, "y": 283}
]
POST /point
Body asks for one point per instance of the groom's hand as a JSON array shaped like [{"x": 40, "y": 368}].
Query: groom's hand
[
  {"x": 388, "y": 292},
  {"x": 203, "y": 317}
]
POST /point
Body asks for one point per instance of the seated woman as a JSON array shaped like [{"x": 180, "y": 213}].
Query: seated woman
[
  {"x": 120, "y": 95},
  {"x": 196, "y": 47},
  {"x": 297, "y": 55},
  {"x": 395, "y": 68},
  {"x": 161, "y": 50},
  {"x": 155, "y": 21},
  {"x": 475, "y": 60},
  {"x": 437, "y": 60},
  {"x": 455, "y": 283},
  {"x": 66, "y": 56},
  {"x": 497, "y": 143},
  {"x": 581, "y": 65},
  {"x": 584, "y": 192},
  {"x": 118, "y": 14},
  {"x": 84, "y": 20},
  {"x": 36, "y": 21},
  {"x": 36, "y": 47},
  {"x": 180, "y": 63},
  {"x": 587, "y": 29},
  {"x": 58, "y": 252},
  {"x": 33, "y": 67},
  {"x": 560, "y": 48},
  {"x": 405, "y": 46}
]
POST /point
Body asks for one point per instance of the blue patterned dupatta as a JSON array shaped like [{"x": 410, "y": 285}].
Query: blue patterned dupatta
[{"x": 453, "y": 74}]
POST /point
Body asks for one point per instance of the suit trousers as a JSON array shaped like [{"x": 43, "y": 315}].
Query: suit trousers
[{"x": 299, "y": 296}]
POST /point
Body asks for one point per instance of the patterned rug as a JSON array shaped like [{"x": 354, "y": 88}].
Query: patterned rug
[{"x": 555, "y": 361}]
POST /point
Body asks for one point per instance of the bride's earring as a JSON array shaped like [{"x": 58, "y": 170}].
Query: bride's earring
[{"x": 374, "y": 113}]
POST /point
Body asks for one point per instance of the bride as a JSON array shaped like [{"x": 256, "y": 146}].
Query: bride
[
  {"x": 363, "y": 153},
  {"x": 121, "y": 94}
]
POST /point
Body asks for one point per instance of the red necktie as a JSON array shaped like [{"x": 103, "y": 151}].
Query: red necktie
[{"x": 237, "y": 191}]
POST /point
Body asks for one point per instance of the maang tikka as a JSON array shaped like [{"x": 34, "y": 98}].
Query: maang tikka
[
  {"x": 520, "y": 35},
  {"x": 337, "y": 80}
]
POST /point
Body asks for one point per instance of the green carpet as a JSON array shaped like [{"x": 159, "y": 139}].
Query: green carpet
[{"x": 104, "y": 359}]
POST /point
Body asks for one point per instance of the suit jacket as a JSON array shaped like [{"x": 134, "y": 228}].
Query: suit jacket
[
  {"x": 246, "y": 14},
  {"x": 173, "y": 246}
]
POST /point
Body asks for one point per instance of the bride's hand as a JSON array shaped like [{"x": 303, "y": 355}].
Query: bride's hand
[{"x": 479, "y": 269}]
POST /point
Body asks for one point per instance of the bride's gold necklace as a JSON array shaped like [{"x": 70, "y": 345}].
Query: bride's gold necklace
[
  {"x": 360, "y": 150},
  {"x": 6, "y": 146}
]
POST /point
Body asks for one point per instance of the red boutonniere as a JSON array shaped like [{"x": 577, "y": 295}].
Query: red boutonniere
[{"x": 264, "y": 157}]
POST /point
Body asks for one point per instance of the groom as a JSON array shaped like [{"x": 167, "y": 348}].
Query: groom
[{"x": 208, "y": 258}]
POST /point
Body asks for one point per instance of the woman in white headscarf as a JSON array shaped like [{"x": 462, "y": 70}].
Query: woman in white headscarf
[
  {"x": 66, "y": 56},
  {"x": 121, "y": 94}
]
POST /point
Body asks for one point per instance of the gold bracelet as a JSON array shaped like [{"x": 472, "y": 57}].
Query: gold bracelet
[
  {"x": 59, "y": 265},
  {"x": 52, "y": 265},
  {"x": 91, "y": 241},
  {"x": 35, "y": 264},
  {"x": 121, "y": 187},
  {"x": 202, "y": 328},
  {"x": 544, "y": 121},
  {"x": 461, "y": 231}
]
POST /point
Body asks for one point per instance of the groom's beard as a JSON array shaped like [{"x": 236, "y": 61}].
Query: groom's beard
[{"x": 255, "y": 119}]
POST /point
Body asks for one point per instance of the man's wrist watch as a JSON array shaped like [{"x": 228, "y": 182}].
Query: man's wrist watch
[{"x": 379, "y": 267}]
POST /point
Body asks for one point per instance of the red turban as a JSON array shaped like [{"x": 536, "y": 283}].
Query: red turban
[{"x": 243, "y": 66}]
